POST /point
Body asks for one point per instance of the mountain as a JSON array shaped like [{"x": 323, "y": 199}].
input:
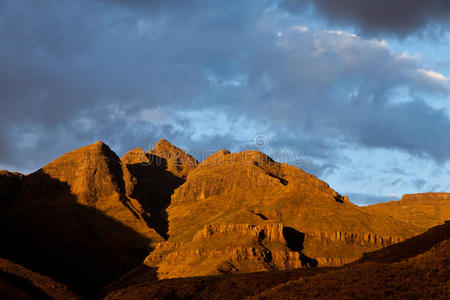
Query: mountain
[
  {"x": 90, "y": 217},
  {"x": 83, "y": 219},
  {"x": 420, "y": 210},
  {"x": 416, "y": 268},
  {"x": 245, "y": 212}
]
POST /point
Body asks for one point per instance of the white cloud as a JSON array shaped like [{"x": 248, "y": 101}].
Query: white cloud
[
  {"x": 299, "y": 28},
  {"x": 433, "y": 75}
]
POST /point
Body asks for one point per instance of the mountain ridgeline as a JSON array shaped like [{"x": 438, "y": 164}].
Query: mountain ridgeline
[{"x": 90, "y": 217}]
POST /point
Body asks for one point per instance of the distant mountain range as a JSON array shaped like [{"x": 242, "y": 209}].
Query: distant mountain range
[{"x": 90, "y": 217}]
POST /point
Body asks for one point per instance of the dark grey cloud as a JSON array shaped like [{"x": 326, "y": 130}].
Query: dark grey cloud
[
  {"x": 130, "y": 73},
  {"x": 75, "y": 72},
  {"x": 399, "y": 17}
]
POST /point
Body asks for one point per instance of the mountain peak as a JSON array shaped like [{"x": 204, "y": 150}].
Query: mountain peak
[
  {"x": 92, "y": 172},
  {"x": 98, "y": 147},
  {"x": 176, "y": 159},
  {"x": 164, "y": 144},
  {"x": 135, "y": 156},
  {"x": 250, "y": 157},
  {"x": 99, "y": 143}
]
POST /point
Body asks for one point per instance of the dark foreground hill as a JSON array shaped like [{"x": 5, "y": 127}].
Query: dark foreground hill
[{"x": 17, "y": 282}]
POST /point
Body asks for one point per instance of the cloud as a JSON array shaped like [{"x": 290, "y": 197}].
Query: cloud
[
  {"x": 433, "y": 75},
  {"x": 335, "y": 84},
  {"x": 374, "y": 17},
  {"x": 205, "y": 75}
]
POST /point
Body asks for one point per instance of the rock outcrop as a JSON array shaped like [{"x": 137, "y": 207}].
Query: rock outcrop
[
  {"x": 269, "y": 232},
  {"x": 234, "y": 247}
]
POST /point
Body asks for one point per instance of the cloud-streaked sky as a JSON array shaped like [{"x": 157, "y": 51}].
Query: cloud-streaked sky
[{"x": 360, "y": 88}]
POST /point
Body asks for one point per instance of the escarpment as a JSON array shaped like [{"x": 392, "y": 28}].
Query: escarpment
[
  {"x": 265, "y": 247},
  {"x": 269, "y": 232},
  {"x": 223, "y": 248}
]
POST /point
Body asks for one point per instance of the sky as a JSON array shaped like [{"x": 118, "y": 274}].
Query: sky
[{"x": 354, "y": 92}]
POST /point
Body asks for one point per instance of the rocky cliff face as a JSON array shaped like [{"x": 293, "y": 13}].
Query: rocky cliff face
[
  {"x": 225, "y": 248},
  {"x": 268, "y": 232}
]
